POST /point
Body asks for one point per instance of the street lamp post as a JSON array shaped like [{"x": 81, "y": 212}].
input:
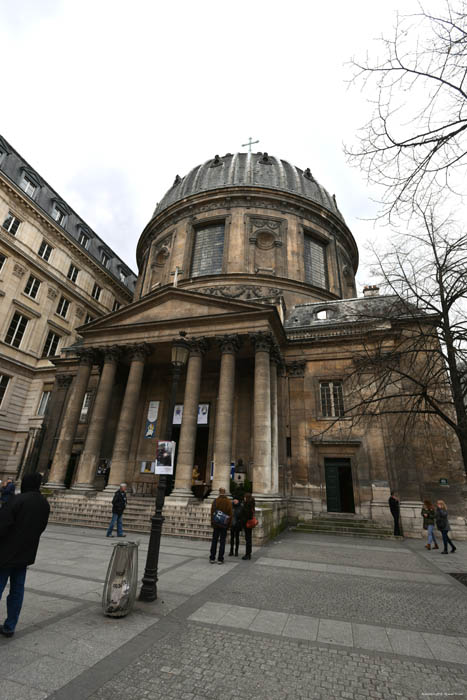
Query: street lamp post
[{"x": 148, "y": 593}]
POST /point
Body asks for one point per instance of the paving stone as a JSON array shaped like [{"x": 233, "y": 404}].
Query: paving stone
[
  {"x": 301, "y": 627},
  {"x": 9, "y": 690},
  {"x": 446, "y": 648},
  {"x": 210, "y": 612},
  {"x": 335, "y": 632},
  {"x": 239, "y": 616},
  {"x": 408, "y": 642},
  {"x": 370, "y": 637},
  {"x": 269, "y": 621}
]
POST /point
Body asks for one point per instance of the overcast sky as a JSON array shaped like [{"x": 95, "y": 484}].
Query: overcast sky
[{"x": 108, "y": 99}]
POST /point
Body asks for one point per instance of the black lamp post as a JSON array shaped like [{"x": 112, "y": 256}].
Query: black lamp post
[{"x": 148, "y": 593}]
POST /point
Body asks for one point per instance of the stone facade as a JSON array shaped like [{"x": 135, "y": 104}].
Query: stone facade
[
  {"x": 272, "y": 321},
  {"x": 47, "y": 278}
]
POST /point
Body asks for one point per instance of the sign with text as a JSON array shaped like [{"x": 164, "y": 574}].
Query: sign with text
[
  {"x": 165, "y": 457},
  {"x": 203, "y": 414},
  {"x": 151, "y": 420}
]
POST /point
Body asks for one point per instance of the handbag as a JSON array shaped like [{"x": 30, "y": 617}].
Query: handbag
[
  {"x": 220, "y": 518},
  {"x": 251, "y": 523}
]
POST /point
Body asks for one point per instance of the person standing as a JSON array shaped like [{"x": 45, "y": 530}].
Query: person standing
[
  {"x": 236, "y": 527},
  {"x": 221, "y": 517},
  {"x": 248, "y": 512},
  {"x": 8, "y": 491},
  {"x": 428, "y": 515},
  {"x": 394, "y": 507},
  {"x": 22, "y": 522},
  {"x": 118, "y": 506},
  {"x": 442, "y": 523}
]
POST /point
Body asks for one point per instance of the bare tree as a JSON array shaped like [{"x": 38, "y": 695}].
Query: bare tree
[
  {"x": 416, "y": 139},
  {"x": 415, "y": 365}
]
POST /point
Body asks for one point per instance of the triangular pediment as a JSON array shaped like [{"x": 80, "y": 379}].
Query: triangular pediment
[{"x": 169, "y": 305}]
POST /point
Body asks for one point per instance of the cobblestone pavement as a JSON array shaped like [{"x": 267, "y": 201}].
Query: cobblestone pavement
[{"x": 310, "y": 616}]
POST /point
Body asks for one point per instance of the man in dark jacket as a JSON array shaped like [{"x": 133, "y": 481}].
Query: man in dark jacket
[
  {"x": 394, "y": 507},
  {"x": 7, "y": 491},
  {"x": 221, "y": 510},
  {"x": 118, "y": 506},
  {"x": 22, "y": 522}
]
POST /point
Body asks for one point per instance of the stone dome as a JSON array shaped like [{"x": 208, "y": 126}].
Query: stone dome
[{"x": 248, "y": 170}]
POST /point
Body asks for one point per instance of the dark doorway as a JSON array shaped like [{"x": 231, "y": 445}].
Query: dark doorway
[
  {"x": 201, "y": 449},
  {"x": 74, "y": 459},
  {"x": 339, "y": 486}
]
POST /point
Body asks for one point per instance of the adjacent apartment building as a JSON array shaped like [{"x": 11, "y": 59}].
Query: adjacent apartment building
[{"x": 56, "y": 275}]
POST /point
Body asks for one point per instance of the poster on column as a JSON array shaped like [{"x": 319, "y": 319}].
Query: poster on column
[
  {"x": 165, "y": 455},
  {"x": 151, "y": 420}
]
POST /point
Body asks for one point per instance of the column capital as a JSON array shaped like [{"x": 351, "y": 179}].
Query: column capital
[
  {"x": 63, "y": 380},
  {"x": 198, "y": 346},
  {"x": 229, "y": 343},
  {"x": 112, "y": 353},
  {"x": 87, "y": 356},
  {"x": 262, "y": 341},
  {"x": 296, "y": 368},
  {"x": 139, "y": 352}
]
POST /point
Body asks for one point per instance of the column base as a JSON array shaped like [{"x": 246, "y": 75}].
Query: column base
[
  {"x": 83, "y": 488},
  {"x": 267, "y": 497},
  {"x": 180, "y": 497},
  {"x": 55, "y": 485}
]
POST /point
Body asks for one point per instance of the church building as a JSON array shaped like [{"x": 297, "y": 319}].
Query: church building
[{"x": 248, "y": 263}]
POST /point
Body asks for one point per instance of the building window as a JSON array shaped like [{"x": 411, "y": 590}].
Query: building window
[
  {"x": 116, "y": 305},
  {"x": 96, "y": 292},
  {"x": 73, "y": 273},
  {"x": 332, "y": 399},
  {"x": 4, "y": 381},
  {"x": 123, "y": 276},
  {"x": 83, "y": 240},
  {"x": 315, "y": 263},
  {"x": 208, "y": 250},
  {"x": 51, "y": 344},
  {"x": 43, "y": 403},
  {"x": 32, "y": 286},
  {"x": 88, "y": 318},
  {"x": 63, "y": 306},
  {"x": 58, "y": 215},
  {"x": 3, "y": 259},
  {"x": 85, "y": 407},
  {"x": 45, "y": 250},
  {"x": 16, "y": 330},
  {"x": 11, "y": 223},
  {"x": 105, "y": 259},
  {"x": 28, "y": 186}
]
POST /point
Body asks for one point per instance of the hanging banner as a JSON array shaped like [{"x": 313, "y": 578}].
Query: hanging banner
[
  {"x": 165, "y": 457},
  {"x": 151, "y": 421},
  {"x": 203, "y": 414}
]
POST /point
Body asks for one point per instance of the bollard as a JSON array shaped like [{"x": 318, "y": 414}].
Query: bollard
[{"x": 120, "y": 584}]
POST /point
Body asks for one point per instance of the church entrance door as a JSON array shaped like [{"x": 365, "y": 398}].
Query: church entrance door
[{"x": 339, "y": 485}]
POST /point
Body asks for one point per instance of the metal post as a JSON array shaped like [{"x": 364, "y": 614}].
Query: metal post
[{"x": 148, "y": 591}]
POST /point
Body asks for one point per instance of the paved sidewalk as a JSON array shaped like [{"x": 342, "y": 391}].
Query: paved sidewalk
[{"x": 310, "y": 616}]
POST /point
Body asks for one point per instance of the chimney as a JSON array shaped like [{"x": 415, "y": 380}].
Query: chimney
[{"x": 371, "y": 290}]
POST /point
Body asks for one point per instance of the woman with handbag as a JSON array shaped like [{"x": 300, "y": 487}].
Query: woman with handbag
[
  {"x": 248, "y": 521},
  {"x": 428, "y": 514}
]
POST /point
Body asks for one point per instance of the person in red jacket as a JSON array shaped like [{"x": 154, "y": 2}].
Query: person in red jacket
[{"x": 22, "y": 521}]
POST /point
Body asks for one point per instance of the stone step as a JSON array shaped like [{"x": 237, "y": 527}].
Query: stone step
[
  {"x": 346, "y": 526},
  {"x": 342, "y": 532}
]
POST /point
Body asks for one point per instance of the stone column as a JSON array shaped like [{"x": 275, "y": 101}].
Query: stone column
[
  {"x": 122, "y": 444},
  {"x": 229, "y": 345},
  {"x": 52, "y": 418},
  {"x": 275, "y": 359},
  {"x": 70, "y": 422},
  {"x": 186, "y": 448},
  {"x": 262, "y": 482},
  {"x": 90, "y": 456}
]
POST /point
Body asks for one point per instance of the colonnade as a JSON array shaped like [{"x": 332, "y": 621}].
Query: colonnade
[{"x": 265, "y": 423}]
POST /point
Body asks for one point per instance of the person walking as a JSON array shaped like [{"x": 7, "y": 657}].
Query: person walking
[
  {"x": 235, "y": 527},
  {"x": 394, "y": 507},
  {"x": 221, "y": 517},
  {"x": 118, "y": 506},
  {"x": 247, "y": 513},
  {"x": 7, "y": 491},
  {"x": 22, "y": 521},
  {"x": 442, "y": 523},
  {"x": 428, "y": 515}
]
